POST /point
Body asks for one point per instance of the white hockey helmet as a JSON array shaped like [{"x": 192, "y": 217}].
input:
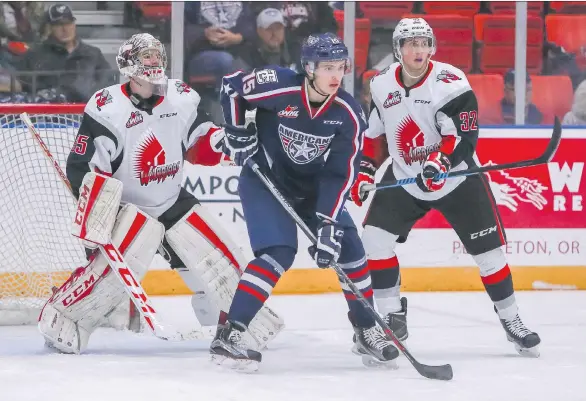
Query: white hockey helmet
[
  {"x": 412, "y": 28},
  {"x": 143, "y": 57}
]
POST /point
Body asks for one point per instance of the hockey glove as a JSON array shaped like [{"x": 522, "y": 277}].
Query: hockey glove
[
  {"x": 240, "y": 143},
  {"x": 365, "y": 176},
  {"x": 435, "y": 163},
  {"x": 329, "y": 244}
]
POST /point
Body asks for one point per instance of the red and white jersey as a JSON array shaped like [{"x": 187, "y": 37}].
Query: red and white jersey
[
  {"x": 440, "y": 113},
  {"x": 143, "y": 149}
]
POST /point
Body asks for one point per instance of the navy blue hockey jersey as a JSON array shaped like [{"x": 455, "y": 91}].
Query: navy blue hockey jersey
[{"x": 311, "y": 152}]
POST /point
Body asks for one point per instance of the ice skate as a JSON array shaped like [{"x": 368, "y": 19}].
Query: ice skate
[
  {"x": 227, "y": 349},
  {"x": 397, "y": 321},
  {"x": 526, "y": 342},
  {"x": 374, "y": 348}
]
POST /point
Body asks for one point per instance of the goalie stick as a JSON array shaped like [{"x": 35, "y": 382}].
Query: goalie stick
[
  {"x": 443, "y": 372},
  {"x": 546, "y": 157},
  {"x": 126, "y": 276}
]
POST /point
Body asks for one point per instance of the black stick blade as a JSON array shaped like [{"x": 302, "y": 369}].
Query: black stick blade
[{"x": 442, "y": 372}]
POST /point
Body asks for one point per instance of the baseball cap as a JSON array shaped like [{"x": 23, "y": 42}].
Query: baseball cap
[
  {"x": 510, "y": 77},
  {"x": 268, "y": 17},
  {"x": 59, "y": 13}
]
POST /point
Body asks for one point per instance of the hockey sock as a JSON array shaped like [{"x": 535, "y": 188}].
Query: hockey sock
[
  {"x": 257, "y": 282},
  {"x": 359, "y": 274},
  {"x": 386, "y": 283},
  {"x": 498, "y": 282}
]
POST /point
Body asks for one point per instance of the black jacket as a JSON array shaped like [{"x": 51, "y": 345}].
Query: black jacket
[{"x": 77, "y": 75}]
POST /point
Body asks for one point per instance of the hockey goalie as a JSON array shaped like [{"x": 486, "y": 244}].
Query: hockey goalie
[{"x": 125, "y": 169}]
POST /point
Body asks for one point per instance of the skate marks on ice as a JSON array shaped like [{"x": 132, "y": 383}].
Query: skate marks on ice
[{"x": 311, "y": 359}]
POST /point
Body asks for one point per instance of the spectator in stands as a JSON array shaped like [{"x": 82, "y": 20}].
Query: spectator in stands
[
  {"x": 577, "y": 116},
  {"x": 303, "y": 18},
  {"x": 532, "y": 114},
  {"x": 20, "y": 21},
  {"x": 270, "y": 46},
  {"x": 67, "y": 66},
  {"x": 213, "y": 33}
]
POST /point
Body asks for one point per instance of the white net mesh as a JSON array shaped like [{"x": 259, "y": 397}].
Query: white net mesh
[{"x": 36, "y": 249}]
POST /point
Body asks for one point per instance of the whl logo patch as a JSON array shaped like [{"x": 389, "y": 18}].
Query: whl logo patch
[
  {"x": 302, "y": 148},
  {"x": 135, "y": 119},
  {"x": 150, "y": 164},
  {"x": 393, "y": 99},
  {"x": 289, "y": 112}
]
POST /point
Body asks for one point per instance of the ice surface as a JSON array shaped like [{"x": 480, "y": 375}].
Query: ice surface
[{"x": 311, "y": 359}]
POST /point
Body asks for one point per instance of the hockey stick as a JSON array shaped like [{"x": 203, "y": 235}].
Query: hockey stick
[
  {"x": 443, "y": 372},
  {"x": 546, "y": 157},
  {"x": 126, "y": 276}
]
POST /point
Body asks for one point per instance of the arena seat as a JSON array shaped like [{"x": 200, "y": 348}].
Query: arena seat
[
  {"x": 383, "y": 11},
  {"x": 489, "y": 90},
  {"x": 508, "y": 7},
  {"x": 568, "y": 7},
  {"x": 568, "y": 31},
  {"x": 553, "y": 95},
  {"x": 496, "y": 36},
  {"x": 468, "y": 8}
]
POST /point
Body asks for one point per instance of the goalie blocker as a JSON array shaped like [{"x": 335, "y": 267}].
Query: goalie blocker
[{"x": 211, "y": 269}]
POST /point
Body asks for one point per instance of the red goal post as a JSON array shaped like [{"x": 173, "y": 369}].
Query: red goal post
[{"x": 37, "y": 251}]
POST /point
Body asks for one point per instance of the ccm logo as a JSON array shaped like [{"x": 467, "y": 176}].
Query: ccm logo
[
  {"x": 81, "y": 290},
  {"x": 167, "y": 115},
  {"x": 482, "y": 233},
  {"x": 82, "y": 203},
  {"x": 422, "y": 101},
  {"x": 333, "y": 122}
]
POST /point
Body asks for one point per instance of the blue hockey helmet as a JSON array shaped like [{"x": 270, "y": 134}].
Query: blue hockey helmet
[{"x": 324, "y": 47}]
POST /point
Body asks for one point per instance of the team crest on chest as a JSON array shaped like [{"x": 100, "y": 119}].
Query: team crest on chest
[
  {"x": 410, "y": 141},
  {"x": 302, "y": 148},
  {"x": 150, "y": 161}
]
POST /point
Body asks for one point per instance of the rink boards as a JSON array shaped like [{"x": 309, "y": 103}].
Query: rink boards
[{"x": 542, "y": 209}]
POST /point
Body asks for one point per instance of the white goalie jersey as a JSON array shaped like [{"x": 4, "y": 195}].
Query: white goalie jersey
[
  {"x": 143, "y": 149},
  {"x": 438, "y": 113}
]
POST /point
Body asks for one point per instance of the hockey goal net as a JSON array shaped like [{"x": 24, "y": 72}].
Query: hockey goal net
[{"x": 37, "y": 251}]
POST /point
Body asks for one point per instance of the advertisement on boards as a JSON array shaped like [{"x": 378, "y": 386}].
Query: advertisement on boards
[{"x": 542, "y": 207}]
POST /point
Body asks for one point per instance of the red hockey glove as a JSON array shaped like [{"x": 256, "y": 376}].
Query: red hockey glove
[
  {"x": 365, "y": 176},
  {"x": 435, "y": 163}
]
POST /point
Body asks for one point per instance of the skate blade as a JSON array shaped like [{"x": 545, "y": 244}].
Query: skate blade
[
  {"x": 373, "y": 363},
  {"x": 239, "y": 365},
  {"x": 532, "y": 352}
]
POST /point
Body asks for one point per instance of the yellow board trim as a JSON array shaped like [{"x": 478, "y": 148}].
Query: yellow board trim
[{"x": 317, "y": 281}]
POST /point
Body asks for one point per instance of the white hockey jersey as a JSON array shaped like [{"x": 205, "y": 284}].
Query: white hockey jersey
[
  {"x": 143, "y": 150},
  {"x": 438, "y": 113}
]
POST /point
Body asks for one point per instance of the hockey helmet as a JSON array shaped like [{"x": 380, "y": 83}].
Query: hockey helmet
[
  {"x": 324, "y": 47},
  {"x": 143, "y": 57},
  {"x": 412, "y": 28}
]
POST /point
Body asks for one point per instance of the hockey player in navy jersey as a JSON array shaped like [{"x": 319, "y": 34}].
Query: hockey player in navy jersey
[{"x": 308, "y": 138}]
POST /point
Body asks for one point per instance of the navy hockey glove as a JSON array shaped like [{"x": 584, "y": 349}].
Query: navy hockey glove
[
  {"x": 435, "y": 163},
  {"x": 240, "y": 143},
  {"x": 329, "y": 244}
]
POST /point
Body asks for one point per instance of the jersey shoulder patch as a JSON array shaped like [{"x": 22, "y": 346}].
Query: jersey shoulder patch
[
  {"x": 105, "y": 102},
  {"x": 448, "y": 81},
  {"x": 182, "y": 97}
]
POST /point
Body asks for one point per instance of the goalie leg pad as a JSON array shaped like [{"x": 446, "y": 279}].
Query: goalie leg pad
[
  {"x": 93, "y": 292},
  {"x": 97, "y": 207},
  {"x": 212, "y": 269}
]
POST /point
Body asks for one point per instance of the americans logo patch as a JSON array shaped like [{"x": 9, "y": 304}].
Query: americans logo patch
[{"x": 302, "y": 148}]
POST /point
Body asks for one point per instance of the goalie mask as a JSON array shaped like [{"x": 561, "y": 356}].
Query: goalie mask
[{"x": 143, "y": 59}]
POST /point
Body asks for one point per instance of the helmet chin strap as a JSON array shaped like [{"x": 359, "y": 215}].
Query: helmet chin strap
[
  {"x": 311, "y": 83},
  {"x": 418, "y": 76}
]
